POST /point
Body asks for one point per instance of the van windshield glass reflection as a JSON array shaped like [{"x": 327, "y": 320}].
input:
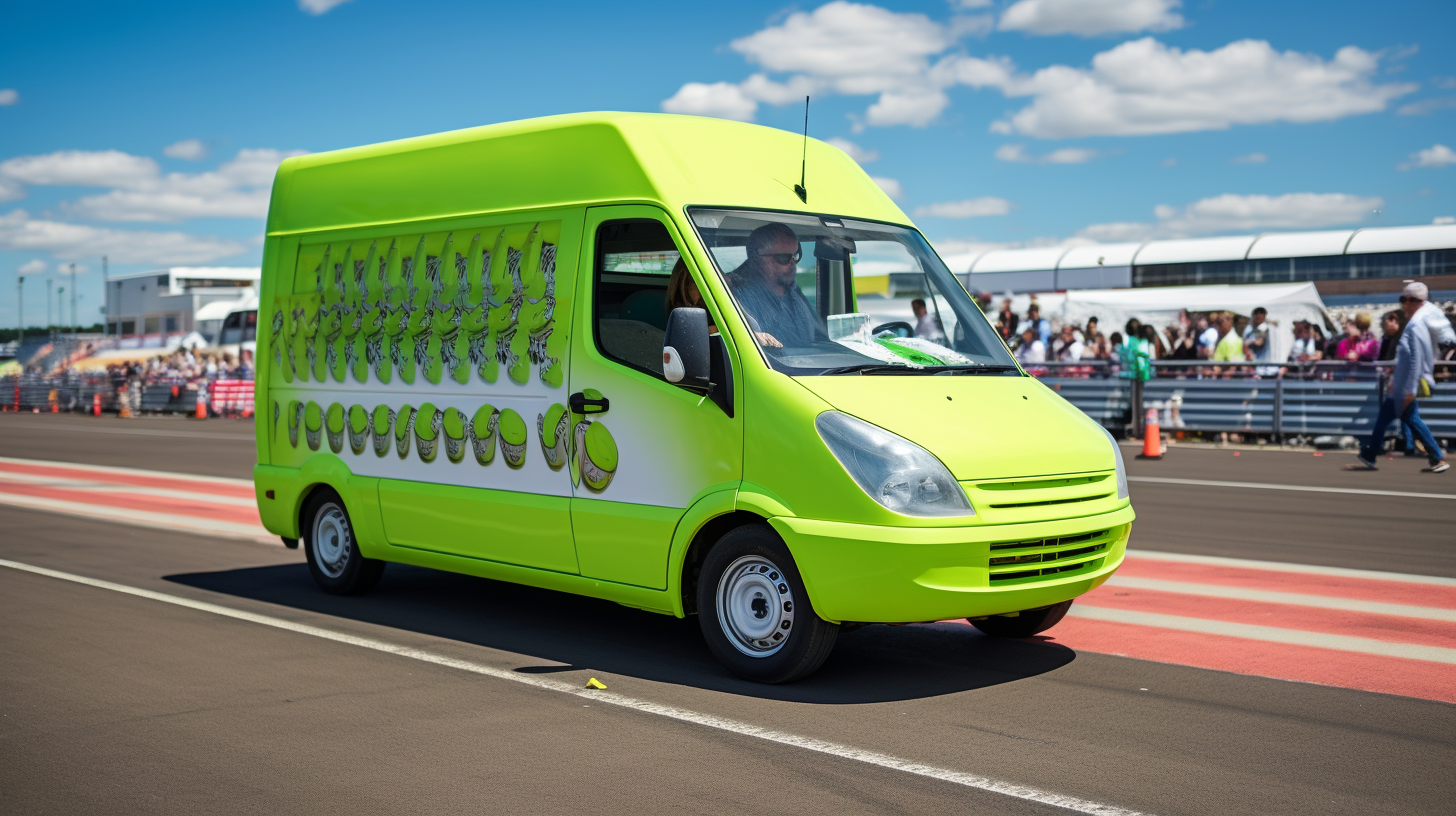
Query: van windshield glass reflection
[{"x": 825, "y": 295}]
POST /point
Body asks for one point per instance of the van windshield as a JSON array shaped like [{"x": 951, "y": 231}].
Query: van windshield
[{"x": 825, "y": 295}]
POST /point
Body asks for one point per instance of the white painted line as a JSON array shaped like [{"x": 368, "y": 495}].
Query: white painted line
[
  {"x": 1271, "y": 634},
  {"x": 1303, "y": 488},
  {"x": 114, "y": 487},
  {"x": 139, "y": 432},
  {"x": 1281, "y": 566},
  {"x": 160, "y": 474},
  {"x": 681, "y": 714},
  {"x": 142, "y": 518},
  {"x": 1266, "y": 596}
]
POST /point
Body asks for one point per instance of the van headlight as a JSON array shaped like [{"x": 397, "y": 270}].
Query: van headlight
[
  {"x": 1121, "y": 468},
  {"x": 894, "y": 471}
]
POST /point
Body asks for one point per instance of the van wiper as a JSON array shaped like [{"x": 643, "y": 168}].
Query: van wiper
[
  {"x": 874, "y": 368},
  {"x": 984, "y": 369}
]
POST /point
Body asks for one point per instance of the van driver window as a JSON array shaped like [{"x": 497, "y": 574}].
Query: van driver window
[{"x": 634, "y": 263}]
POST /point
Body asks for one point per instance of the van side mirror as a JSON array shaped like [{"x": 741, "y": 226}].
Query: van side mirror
[{"x": 686, "y": 357}]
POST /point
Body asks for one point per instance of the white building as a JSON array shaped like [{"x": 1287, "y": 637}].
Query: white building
[{"x": 164, "y": 302}]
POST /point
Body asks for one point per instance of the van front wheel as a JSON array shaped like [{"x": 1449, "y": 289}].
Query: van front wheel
[
  {"x": 333, "y": 554},
  {"x": 1025, "y": 624},
  {"x": 754, "y": 611}
]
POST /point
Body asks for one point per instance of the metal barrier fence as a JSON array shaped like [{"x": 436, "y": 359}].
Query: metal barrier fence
[
  {"x": 1312, "y": 399},
  {"x": 78, "y": 392}
]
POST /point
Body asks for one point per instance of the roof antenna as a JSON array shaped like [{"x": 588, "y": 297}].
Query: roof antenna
[{"x": 799, "y": 189}]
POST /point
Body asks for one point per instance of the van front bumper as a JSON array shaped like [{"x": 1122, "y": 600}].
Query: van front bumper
[{"x": 863, "y": 573}]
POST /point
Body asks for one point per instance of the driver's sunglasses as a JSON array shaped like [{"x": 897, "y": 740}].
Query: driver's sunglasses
[
  {"x": 1407, "y": 299},
  {"x": 783, "y": 258}
]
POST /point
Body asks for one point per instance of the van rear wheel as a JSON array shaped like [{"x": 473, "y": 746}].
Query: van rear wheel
[
  {"x": 332, "y": 552},
  {"x": 754, "y": 611},
  {"x": 1025, "y": 624}
]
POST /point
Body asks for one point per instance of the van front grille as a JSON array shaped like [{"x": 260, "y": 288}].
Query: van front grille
[{"x": 1013, "y": 561}]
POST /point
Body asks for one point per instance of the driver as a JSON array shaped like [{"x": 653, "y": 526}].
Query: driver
[{"x": 765, "y": 287}]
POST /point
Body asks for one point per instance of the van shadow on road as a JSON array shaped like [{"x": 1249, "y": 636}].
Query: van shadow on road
[{"x": 869, "y": 665}]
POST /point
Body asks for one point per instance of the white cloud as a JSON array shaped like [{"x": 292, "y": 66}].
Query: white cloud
[
  {"x": 859, "y": 154},
  {"x": 1252, "y": 158},
  {"x": 9, "y": 96},
  {"x": 1144, "y": 87},
  {"x": 189, "y": 149},
  {"x": 1444, "y": 219},
  {"x": 891, "y": 187},
  {"x": 969, "y": 208},
  {"x": 1067, "y": 155},
  {"x": 1089, "y": 18},
  {"x": 1242, "y": 213},
  {"x": 971, "y": 4},
  {"x": 20, "y": 232},
  {"x": 81, "y": 168},
  {"x": 1426, "y": 107},
  {"x": 317, "y": 7},
  {"x": 239, "y": 188},
  {"x": 32, "y": 267},
  {"x": 1437, "y": 155},
  {"x": 721, "y": 99}
]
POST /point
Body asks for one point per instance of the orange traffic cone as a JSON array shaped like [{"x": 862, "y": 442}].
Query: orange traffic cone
[
  {"x": 95, "y": 405},
  {"x": 1152, "y": 437},
  {"x": 125, "y": 402},
  {"x": 201, "y": 404}
]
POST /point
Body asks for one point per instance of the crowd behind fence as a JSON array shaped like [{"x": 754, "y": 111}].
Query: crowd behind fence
[{"x": 162, "y": 384}]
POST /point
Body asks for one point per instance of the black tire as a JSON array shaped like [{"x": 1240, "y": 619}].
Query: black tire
[
  {"x": 333, "y": 554},
  {"x": 1025, "y": 624},
  {"x": 772, "y": 634}
]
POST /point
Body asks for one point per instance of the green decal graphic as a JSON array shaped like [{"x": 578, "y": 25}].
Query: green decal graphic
[
  {"x": 358, "y": 429},
  {"x": 512, "y": 438},
  {"x": 482, "y": 433},
  {"x": 384, "y": 345},
  {"x": 356, "y": 300},
  {"x": 415, "y": 317},
  {"x": 427, "y": 431},
  {"x": 382, "y": 425},
  {"x": 295, "y": 416},
  {"x": 313, "y": 421},
  {"x": 277, "y": 336},
  {"x": 456, "y": 426},
  {"x": 538, "y": 316},
  {"x": 334, "y": 422},
  {"x": 577, "y": 448},
  {"x": 445, "y": 288},
  {"x": 404, "y": 428},
  {"x": 336, "y": 315},
  {"x": 554, "y": 430},
  {"x": 277, "y": 428},
  {"x": 598, "y": 452},
  {"x": 306, "y": 309},
  {"x": 494, "y": 313},
  {"x": 318, "y": 336},
  {"x": 470, "y": 339}
]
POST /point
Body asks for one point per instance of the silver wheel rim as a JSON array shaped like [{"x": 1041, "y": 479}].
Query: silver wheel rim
[
  {"x": 755, "y": 606},
  {"x": 332, "y": 541}
]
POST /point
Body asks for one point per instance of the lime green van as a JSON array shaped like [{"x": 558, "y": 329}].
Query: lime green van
[{"x": 624, "y": 355}]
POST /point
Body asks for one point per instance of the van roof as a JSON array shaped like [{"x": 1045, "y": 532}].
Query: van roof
[{"x": 570, "y": 160}]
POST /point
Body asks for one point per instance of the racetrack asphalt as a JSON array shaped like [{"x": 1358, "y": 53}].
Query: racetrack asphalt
[{"x": 110, "y": 702}]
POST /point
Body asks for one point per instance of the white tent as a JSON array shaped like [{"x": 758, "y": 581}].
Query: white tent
[{"x": 1160, "y": 306}]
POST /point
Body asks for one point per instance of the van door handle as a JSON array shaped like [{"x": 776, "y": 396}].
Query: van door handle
[{"x": 580, "y": 403}]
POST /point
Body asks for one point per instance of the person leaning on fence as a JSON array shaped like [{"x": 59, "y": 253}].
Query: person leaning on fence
[{"x": 1414, "y": 358}]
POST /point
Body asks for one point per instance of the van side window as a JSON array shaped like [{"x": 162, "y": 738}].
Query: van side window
[{"x": 634, "y": 260}]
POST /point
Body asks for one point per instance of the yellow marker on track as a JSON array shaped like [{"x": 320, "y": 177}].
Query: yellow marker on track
[{"x": 594, "y": 683}]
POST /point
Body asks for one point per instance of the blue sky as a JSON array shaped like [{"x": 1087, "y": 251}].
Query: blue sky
[{"x": 148, "y": 131}]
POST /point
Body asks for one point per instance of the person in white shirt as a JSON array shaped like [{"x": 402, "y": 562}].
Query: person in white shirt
[
  {"x": 1068, "y": 348},
  {"x": 1207, "y": 338},
  {"x": 1429, "y": 315},
  {"x": 926, "y": 326},
  {"x": 1032, "y": 350}
]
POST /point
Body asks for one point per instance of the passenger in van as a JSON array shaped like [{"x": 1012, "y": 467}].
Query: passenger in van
[
  {"x": 764, "y": 285},
  {"x": 682, "y": 293}
]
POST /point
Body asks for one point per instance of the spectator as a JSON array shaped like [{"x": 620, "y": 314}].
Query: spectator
[
  {"x": 1414, "y": 357},
  {"x": 1038, "y": 323},
  {"x": 1358, "y": 345},
  {"x": 1391, "y": 325},
  {"x": 1091, "y": 332},
  {"x": 1007, "y": 321},
  {"x": 926, "y": 326},
  {"x": 1067, "y": 348},
  {"x": 1306, "y": 348},
  {"x": 1182, "y": 345},
  {"x": 1207, "y": 338},
  {"x": 1256, "y": 336},
  {"x": 1230, "y": 347},
  {"x": 983, "y": 302},
  {"x": 1133, "y": 353},
  {"x": 1429, "y": 315},
  {"x": 1155, "y": 347},
  {"x": 1032, "y": 350}
]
